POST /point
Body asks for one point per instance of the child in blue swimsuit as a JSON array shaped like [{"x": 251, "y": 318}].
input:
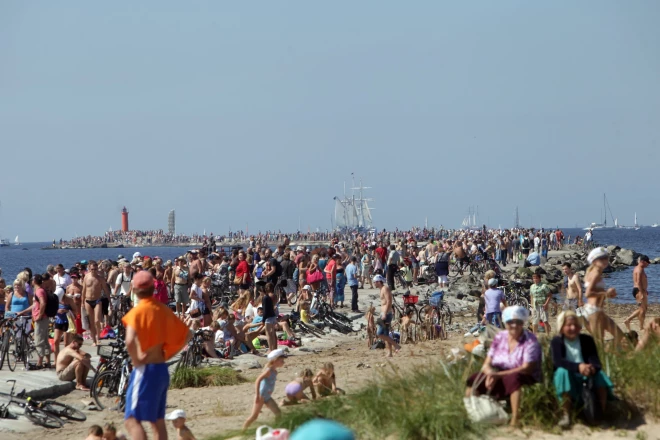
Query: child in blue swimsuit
[{"x": 265, "y": 386}]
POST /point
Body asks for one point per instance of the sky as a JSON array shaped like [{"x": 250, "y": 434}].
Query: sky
[{"x": 244, "y": 114}]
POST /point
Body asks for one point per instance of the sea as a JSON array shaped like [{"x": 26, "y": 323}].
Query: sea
[{"x": 646, "y": 241}]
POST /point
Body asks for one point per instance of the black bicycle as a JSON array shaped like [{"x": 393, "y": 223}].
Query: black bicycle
[
  {"x": 193, "y": 355},
  {"x": 32, "y": 412},
  {"x": 17, "y": 345}
]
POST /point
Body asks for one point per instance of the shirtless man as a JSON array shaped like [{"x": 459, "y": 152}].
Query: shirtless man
[
  {"x": 74, "y": 364},
  {"x": 93, "y": 287},
  {"x": 640, "y": 292},
  {"x": 74, "y": 290},
  {"x": 572, "y": 289},
  {"x": 385, "y": 320},
  {"x": 459, "y": 253},
  {"x": 179, "y": 286},
  {"x": 196, "y": 265}
]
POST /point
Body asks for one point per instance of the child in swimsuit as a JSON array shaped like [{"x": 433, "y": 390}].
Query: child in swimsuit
[
  {"x": 295, "y": 390},
  {"x": 265, "y": 386},
  {"x": 325, "y": 381}
]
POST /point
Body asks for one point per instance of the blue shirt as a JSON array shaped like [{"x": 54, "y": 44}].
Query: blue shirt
[
  {"x": 258, "y": 319},
  {"x": 351, "y": 274},
  {"x": 534, "y": 259}
]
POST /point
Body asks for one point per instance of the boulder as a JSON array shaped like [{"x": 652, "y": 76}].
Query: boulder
[
  {"x": 539, "y": 270},
  {"x": 524, "y": 272},
  {"x": 627, "y": 257},
  {"x": 655, "y": 260},
  {"x": 613, "y": 249}
]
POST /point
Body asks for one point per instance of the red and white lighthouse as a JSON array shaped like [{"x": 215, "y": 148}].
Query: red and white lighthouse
[{"x": 124, "y": 219}]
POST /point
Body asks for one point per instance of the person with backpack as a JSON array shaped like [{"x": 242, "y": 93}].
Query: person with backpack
[
  {"x": 525, "y": 245},
  {"x": 40, "y": 305}
]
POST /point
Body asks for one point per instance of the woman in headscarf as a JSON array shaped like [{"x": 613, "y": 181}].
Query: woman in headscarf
[
  {"x": 596, "y": 293},
  {"x": 575, "y": 360},
  {"x": 513, "y": 361}
]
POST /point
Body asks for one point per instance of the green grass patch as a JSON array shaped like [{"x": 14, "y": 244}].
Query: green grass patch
[{"x": 202, "y": 377}]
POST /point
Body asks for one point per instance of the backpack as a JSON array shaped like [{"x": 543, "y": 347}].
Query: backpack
[
  {"x": 259, "y": 272},
  {"x": 525, "y": 243},
  {"x": 52, "y": 304}
]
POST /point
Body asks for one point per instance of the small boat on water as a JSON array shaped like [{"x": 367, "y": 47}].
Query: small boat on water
[
  {"x": 16, "y": 242},
  {"x": 4, "y": 242},
  {"x": 654, "y": 225}
]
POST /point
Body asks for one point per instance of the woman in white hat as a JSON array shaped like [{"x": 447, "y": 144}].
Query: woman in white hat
[
  {"x": 596, "y": 293},
  {"x": 513, "y": 361}
]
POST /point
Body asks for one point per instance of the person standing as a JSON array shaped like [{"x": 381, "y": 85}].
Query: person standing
[
  {"x": 572, "y": 289},
  {"x": 640, "y": 292},
  {"x": 41, "y": 322},
  {"x": 493, "y": 297},
  {"x": 93, "y": 287},
  {"x": 442, "y": 268},
  {"x": 392, "y": 265},
  {"x": 153, "y": 335},
  {"x": 540, "y": 295},
  {"x": 353, "y": 283},
  {"x": 385, "y": 320},
  {"x": 179, "y": 285}
]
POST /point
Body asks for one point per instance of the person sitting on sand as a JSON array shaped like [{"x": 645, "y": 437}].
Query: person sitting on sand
[
  {"x": 325, "y": 381},
  {"x": 72, "y": 363},
  {"x": 178, "y": 419},
  {"x": 513, "y": 361},
  {"x": 95, "y": 432},
  {"x": 295, "y": 390},
  {"x": 575, "y": 359},
  {"x": 651, "y": 334},
  {"x": 110, "y": 432}
]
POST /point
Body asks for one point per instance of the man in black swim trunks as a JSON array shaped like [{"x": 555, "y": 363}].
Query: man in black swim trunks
[{"x": 94, "y": 286}]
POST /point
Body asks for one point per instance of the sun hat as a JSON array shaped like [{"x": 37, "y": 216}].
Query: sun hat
[
  {"x": 563, "y": 316},
  {"x": 275, "y": 354},
  {"x": 515, "y": 312},
  {"x": 596, "y": 254},
  {"x": 176, "y": 414},
  {"x": 137, "y": 255},
  {"x": 378, "y": 278},
  {"x": 120, "y": 257},
  {"x": 307, "y": 287}
]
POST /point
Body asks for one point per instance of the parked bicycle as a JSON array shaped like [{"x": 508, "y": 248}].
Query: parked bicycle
[
  {"x": 193, "y": 354},
  {"x": 17, "y": 344},
  {"x": 109, "y": 387}
]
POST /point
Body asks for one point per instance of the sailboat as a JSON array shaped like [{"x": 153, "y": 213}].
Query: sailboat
[
  {"x": 354, "y": 212},
  {"x": 16, "y": 242},
  {"x": 636, "y": 227},
  {"x": 606, "y": 209}
]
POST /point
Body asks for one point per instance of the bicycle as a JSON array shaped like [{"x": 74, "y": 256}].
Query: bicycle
[
  {"x": 438, "y": 310},
  {"x": 121, "y": 304},
  {"x": 109, "y": 388},
  {"x": 409, "y": 309},
  {"x": 516, "y": 296},
  {"x": 337, "y": 321},
  {"x": 6, "y": 327},
  {"x": 30, "y": 411},
  {"x": 24, "y": 349},
  {"x": 193, "y": 355}
]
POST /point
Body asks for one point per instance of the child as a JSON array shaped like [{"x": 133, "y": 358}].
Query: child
[
  {"x": 110, "y": 433},
  {"x": 196, "y": 309},
  {"x": 305, "y": 313},
  {"x": 95, "y": 433},
  {"x": 178, "y": 418},
  {"x": 371, "y": 326},
  {"x": 265, "y": 386},
  {"x": 294, "y": 390},
  {"x": 325, "y": 381},
  {"x": 540, "y": 295}
]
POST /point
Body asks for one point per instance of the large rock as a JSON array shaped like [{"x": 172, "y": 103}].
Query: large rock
[
  {"x": 655, "y": 260},
  {"x": 524, "y": 272},
  {"x": 627, "y": 257},
  {"x": 613, "y": 249}
]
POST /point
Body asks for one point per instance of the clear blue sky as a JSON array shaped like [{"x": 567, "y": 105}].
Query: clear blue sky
[{"x": 237, "y": 112}]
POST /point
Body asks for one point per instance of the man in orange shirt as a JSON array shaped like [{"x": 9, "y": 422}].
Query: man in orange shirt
[{"x": 153, "y": 335}]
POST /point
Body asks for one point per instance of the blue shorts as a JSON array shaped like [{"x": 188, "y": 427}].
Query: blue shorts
[
  {"x": 384, "y": 328},
  {"x": 147, "y": 393},
  {"x": 272, "y": 320}
]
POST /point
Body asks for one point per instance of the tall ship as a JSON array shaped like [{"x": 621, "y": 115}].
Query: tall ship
[{"x": 353, "y": 212}]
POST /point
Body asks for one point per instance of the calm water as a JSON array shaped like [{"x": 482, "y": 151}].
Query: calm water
[{"x": 646, "y": 241}]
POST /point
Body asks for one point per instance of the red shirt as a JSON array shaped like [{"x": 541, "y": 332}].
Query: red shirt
[
  {"x": 243, "y": 269},
  {"x": 38, "y": 294},
  {"x": 160, "y": 291},
  {"x": 382, "y": 253},
  {"x": 330, "y": 270}
]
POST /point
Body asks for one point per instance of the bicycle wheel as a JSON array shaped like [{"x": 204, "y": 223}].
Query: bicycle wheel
[
  {"x": 42, "y": 418},
  {"x": 445, "y": 313},
  {"x": 4, "y": 346},
  {"x": 29, "y": 352},
  {"x": 105, "y": 389},
  {"x": 62, "y": 411},
  {"x": 183, "y": 360},
  {"x": 10, "y": 354},
  {"x": 520, "y": 301}
]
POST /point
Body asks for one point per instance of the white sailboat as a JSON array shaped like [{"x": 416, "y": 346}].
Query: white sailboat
[
  {"x": 353, "y": 212},
  {"x": 16, "y": 242},
  {"x": 636, "y": 227}
]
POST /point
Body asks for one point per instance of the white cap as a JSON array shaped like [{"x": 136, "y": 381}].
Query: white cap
[
  {"x": 493, "y": 282},
  {"x": 597, "y": 253},
  {"x": 300, "y": 248},
  {"x": 137, "y": 255},
  {"x": 378, "y": 278},
  {"x": 176, "y": 414},
  {"x": 307, "y": 287},
  {"x": 275, "y": 354}
]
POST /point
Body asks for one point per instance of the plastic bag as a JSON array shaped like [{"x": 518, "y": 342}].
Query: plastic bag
[
  {"x": 72, "y": 322},
  {"x": 271, "y": 434}
]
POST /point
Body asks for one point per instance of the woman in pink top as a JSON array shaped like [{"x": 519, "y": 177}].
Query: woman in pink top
[
  {"x": 331, "y": 275},
  {"x": 160, "y": 288}
]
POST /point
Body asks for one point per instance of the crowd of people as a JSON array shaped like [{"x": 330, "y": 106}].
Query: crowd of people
[{"x": 87, "y": 294}]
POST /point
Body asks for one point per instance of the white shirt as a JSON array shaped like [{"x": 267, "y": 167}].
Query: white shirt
[
  {"x": 537, "y": 241},
  {"x": 63, "y": 281},
  {"x": 124, "y": 281}
]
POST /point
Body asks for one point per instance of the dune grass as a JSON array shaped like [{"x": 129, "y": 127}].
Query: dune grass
[{"x": 208, "y": 376}]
